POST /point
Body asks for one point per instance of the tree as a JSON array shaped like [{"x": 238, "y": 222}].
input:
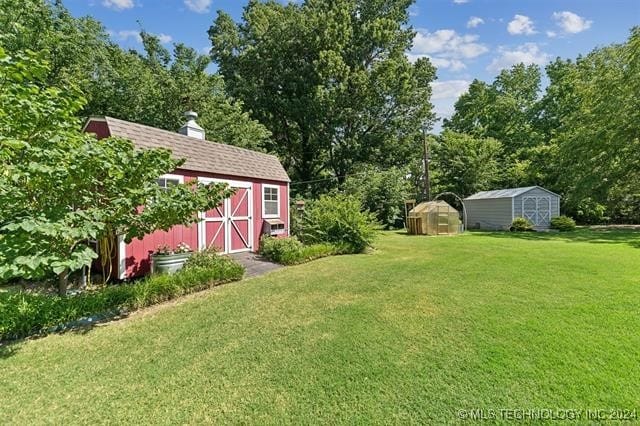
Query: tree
[
  {"x": 502, "y": 110},
  {"x": 465, "y": 164},
  {"x": 330, "y": 79},
  {"x": 73, "y": 47},
  {"x": 592, "y": 110},
  {"x": 505, "y": 111},
  {"x": 157, "y": 87},
  {"x": 581, "y": 139},
  {"x": 472, "y": 110},
  {"x": 153, "y": 88},
  {"x": 382, "y": 192},
  {"x": 60, "y": 188}
]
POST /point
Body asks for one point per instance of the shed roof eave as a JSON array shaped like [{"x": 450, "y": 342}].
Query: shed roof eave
[
  {"x": 198, "y": 155},
  {"x": 505, "y": 193}
]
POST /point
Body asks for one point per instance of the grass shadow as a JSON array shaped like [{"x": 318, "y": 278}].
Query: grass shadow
[
  {"x": 9, "y": 349},
  {"x": 79, "y": 330},
  {"x": 80, "y": 327},
  {"x": 581, "y": 235},
  {"x": 407, "y": 234}
]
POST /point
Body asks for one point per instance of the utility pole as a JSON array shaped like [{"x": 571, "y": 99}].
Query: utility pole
[{"x": 427, "y": 180}]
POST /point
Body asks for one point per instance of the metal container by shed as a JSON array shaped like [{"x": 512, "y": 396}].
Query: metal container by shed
[{"x": 433, "y": 218}]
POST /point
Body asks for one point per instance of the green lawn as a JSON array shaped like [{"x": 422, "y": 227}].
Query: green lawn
[{"x": 415, "y": 331}]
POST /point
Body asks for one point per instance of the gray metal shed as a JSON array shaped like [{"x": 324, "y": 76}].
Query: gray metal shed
[{"x": 495, "y": 210}]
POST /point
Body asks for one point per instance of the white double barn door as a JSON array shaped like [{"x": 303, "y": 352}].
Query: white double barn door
[
  {"x": 537, "y": 210},
  {"x": 229, "y": 226}
]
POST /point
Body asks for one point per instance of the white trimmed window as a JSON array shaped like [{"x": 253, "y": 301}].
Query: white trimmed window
[
  {"x": 270, "y": 201},
  {"x": 167, "y": 181}
]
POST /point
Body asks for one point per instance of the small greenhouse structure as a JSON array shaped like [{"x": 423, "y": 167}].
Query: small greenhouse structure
[{"x": 433, "y": 218}]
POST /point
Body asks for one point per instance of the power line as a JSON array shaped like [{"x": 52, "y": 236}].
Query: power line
[
  {"x": 336, "y": 177},
  {"x": 316, "y": 180}
]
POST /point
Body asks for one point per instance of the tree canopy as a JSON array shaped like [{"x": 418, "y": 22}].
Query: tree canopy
[
  {"x": 464, "y": 164},
  {"x": 579, "y": 137},
  {"x": 154, "y": 87},
  {"x": 61, "y": 188},
  {"x": 330, "y": 79}
]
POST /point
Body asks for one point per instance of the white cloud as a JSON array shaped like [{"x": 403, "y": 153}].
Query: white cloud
[
  {"x": 460, "y": 1},
  {"x": 413, "y": 57},
  {"x": 521, "y": 24},
  {"x": 198, "y": 6},
  {"x": 414, "y": 10},
  {"x": 118, "y": 4},
  {"x": 125, "y": 35},
  {"x": 446, "y": 48},
  {"x": 134, "y": 35},
  {"x": 444, "y": 96},
  {"x": 570, "y": 22},
  {"x": 447, "y": 44},
  {"x": 474, "y": 21},
  {"x": 164, "y": 38},
  {"x": 528, "y": 53},
  {"x": 448, "y": 89},
  {"x": 452, "y": 64},
  {"x": 552, "y": 34}
]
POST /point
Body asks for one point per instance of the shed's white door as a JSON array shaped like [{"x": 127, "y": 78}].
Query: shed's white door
[
  {"x": 537, "y": 210},
  {"x": 240, "y": 224},
  {"x": 228, "y": 227}
]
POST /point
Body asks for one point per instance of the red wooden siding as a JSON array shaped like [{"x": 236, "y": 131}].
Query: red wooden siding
[
  {"x": 137, "y": 254},
  {"x": 100, "y": 128}
]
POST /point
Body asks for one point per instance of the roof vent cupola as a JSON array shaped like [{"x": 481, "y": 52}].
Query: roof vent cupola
[{"x": 191, "y": 128}]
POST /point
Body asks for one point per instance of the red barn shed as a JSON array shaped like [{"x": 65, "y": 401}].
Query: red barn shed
[{"x": 261, "y": 200}]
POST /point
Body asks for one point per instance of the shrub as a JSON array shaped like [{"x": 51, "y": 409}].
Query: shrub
[
  {"x": 295, "y": 218},
  {"x": 590, "y": 212},
  {"x": 520, "y": 224},
  {"x": 382, "y": 192},
  {"x": 339, "y": 221},
  {"x": 208, "y": 258},
  {"x": 281, "y": 250},
  {"x": 316, "y": 251},
  {"x": 23, "y": 314},
  {"x": 563, "y": 223},
  {"x": 290, "y": 251}
]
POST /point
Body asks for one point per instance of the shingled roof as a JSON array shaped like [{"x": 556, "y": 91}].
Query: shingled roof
[{"x": 200, "y": 155}]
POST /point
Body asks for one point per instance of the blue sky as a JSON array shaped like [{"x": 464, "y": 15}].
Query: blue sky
[{"x": 465, "y": 39}]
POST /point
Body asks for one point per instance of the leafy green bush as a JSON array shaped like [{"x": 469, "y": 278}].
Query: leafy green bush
[
  {"x": 23, "y": 314},
  {"x": 590, "y": 212},
  {"x": 563, "y": 223},
  {"x": 520, "y": 224},
  {"x": 295, "y": 217},
  {"x": 382, "y": 192},
  {"x": 79, "y": 188},
  {"x": 290, "y": 251},
  {"x": 281, "y": 250},
  {"x": 316, "y": 251},
  {"x": 209, "y": 258},
  {"x": 339, "y": 220}
]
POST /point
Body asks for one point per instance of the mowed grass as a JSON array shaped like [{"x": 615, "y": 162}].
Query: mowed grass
[{"x": 413, "y": 332}]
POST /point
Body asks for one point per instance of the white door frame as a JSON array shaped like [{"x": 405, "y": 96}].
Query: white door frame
[{"x": 228, "y": 217}]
